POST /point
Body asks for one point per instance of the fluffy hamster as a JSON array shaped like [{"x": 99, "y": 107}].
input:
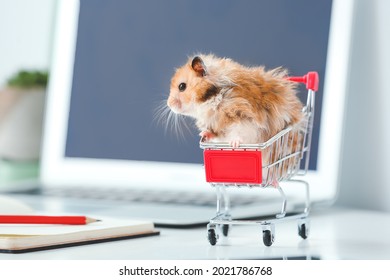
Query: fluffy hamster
[{"x": 234, "y": 103}]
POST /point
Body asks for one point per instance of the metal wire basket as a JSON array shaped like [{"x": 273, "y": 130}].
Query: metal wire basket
[{"x": 281, "y": 158}]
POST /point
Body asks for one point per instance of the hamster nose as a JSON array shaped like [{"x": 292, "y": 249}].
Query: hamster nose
[{"x": 174, "y": 104}]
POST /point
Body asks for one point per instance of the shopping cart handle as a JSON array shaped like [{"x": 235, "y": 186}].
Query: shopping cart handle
[{"x": 311, "y": 80}]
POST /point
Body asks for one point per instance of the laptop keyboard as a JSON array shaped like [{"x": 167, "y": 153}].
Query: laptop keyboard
[{"x": 185, "y": 198}]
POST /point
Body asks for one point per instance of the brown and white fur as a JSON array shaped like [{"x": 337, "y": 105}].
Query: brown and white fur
[{"x": 234, "y": 103}]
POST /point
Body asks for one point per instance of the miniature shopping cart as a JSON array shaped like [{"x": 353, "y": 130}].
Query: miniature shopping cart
[{"x": 281, "y": 158}]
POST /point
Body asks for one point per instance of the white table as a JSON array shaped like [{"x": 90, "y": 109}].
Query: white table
[{"x": 335, "y": 233}]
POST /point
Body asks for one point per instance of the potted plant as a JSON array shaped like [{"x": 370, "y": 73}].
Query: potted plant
[{"x": 21, "y": 114}]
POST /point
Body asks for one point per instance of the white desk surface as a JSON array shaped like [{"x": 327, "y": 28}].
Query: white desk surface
[{"x": 335, "y": 233}]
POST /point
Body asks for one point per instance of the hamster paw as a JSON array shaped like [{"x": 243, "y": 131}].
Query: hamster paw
[
  {"x": 206, "y": 135},
  {"x": 235, "y": 143}
]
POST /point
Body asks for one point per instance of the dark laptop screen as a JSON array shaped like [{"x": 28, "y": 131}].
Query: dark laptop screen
[{"x": 127, "y": 51}]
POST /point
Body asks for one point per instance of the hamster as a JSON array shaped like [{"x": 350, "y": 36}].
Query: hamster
[{"x": 234, "y": 103}]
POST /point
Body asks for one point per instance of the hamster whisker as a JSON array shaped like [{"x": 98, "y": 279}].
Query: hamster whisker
[
  {"x": 160, "y": 112},
  {"x": 178, "y": 125},
  {"x": 172, "y": 122}
]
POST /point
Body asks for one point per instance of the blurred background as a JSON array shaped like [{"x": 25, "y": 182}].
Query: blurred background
[
  {"x": 26, "y": 34},
  {"x": 26, "y": 29},
  {"x": 365, "y": 177}
]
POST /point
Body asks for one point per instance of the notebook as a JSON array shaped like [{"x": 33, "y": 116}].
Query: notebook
[
  {"x": 29, "y": 238},
  {"x": 111, "y": 69}
]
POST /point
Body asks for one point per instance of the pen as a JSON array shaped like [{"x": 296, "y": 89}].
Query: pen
[{"x": 33, "y": 219}]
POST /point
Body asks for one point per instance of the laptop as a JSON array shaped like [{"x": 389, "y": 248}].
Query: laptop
[{"x": 111, "y": 67}]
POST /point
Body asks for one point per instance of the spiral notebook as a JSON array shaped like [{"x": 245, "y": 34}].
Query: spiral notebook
[{"x": 23, "y": 238}]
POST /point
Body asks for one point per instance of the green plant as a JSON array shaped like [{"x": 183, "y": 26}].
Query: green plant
[{"x": 28, "y": 79}]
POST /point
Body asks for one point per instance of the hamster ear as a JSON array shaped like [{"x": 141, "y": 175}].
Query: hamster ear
[{"x": 198, "y": 66}]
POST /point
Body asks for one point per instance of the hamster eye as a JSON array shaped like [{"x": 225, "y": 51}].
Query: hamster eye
[{"x": 182, "y": 87}]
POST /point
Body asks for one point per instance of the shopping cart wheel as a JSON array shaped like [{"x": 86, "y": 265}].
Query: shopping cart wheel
[
  {"x": 212, "y": 236},
  {"x": 225, "y": 230},
  {"x": 303, "y": 230},
  {"x": 268, "y": 237}
]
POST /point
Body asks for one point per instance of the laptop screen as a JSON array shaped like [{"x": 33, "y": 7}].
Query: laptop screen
[{"x": 127, "y": 51}]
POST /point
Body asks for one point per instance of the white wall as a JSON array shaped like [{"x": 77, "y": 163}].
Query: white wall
[
  {"x": 25, "y": 35},
  {"x": 365, "y": 181},
  {"x": 384, "y": 88}
]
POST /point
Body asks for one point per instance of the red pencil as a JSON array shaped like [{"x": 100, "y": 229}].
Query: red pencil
[{"x": 33, "y": 219}]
